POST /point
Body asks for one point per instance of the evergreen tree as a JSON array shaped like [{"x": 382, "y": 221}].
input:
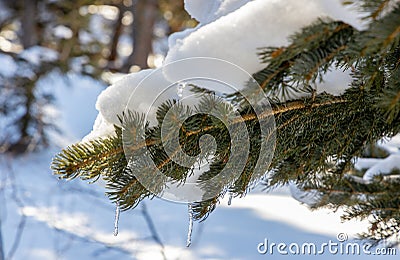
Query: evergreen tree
[{"x": 317, "y": 137}]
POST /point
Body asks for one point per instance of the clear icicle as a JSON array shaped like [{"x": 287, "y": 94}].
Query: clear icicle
[
  {"x": 230, "y": 199},
  {"x": 179, "y": 89},
  {"x": 190, "y": 229},
  {"x": 117, "y": 210}
]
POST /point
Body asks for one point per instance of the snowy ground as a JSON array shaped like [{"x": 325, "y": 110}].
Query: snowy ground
[{"x": 44, "y": 218}]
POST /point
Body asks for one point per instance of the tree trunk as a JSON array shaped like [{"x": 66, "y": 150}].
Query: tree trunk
[
  {"x": 28, "y": 22},
  {"x": 145, "y": 13},
  {"x": 115, "y": 39}
]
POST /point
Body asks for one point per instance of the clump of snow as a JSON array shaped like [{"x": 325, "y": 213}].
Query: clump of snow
[
  {"x": 206, "y": 11},
  {"x": 237, "y": 36},
  {"x": 63, "y": 32},
  {"x": 38, "y": 54},
  {"x": 8, "y": 66},
  {"x": 391, "y": 145},
  {"x": 310, "y": 197},
  {"x": 109, "y": 109},
  {"x": 378, "y": 166},
  {"x": 201, "y": 10},
  {"x": 230, "y": 30},
  {"x": 95, "y": 29},
  {"x": 120, "y": 91},
  {"x": 229, "y": 6},
  {"x": 85, "y": 37},
  {"x": 101, "y": 127},
  {"x": 374, "y": 167},
  {"x": 365, "y": 163},
  {"x": 176, "y": 38},
  {"x": 384, "y": 167}
]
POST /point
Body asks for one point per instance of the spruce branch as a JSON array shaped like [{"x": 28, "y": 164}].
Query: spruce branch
[
  {"x": 374, "y": 9},
  {"x": 382, "y": 35},
  {"x": 311, "y": 52},
  {"x": 89, "y": 160},
  {"x": 317, "y": 136}
]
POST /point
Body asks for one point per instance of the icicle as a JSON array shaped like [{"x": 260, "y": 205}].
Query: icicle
[
  {"x": 179, "y": 89},
  {"x": 230, "y": 199},
  {"x": 189, "y": 234},
  {"x": 116, "y": 219}
]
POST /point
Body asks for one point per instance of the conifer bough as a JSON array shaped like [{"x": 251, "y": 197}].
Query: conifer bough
[{"x": 317, "y": 136}]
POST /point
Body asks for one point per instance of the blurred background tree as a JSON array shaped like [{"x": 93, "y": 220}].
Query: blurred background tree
[{"x": 89, "y": 37}]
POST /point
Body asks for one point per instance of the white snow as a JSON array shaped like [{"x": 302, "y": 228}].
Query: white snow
[
  {"x": 365, "y": 163},
  {"x": 373, "y": 166},
  {"x": 119, "y": 91},
  {"x": 201, "y": 10},
  {"x": 384, "y": 167},
  {"x": 177, "y": 38},
  {"x": 62, "y": 32},
  {"x": 85, "y": 37},
  {"x": 311, "y": 197},
  {"x": 381, "y": 166},
  {"x": 230, "y": 30},
  {"x": 101, "y": 127},
  {"x": 391, "y": 145},
  {"x": 74, "y": 220},
  {"x": 8, "y": 66},
  {"x": 206, "y": 11},
  {"x": 38, "y": 54},
  {"x": 109, "y": 109},
  {"x": 236, "y": 36}
]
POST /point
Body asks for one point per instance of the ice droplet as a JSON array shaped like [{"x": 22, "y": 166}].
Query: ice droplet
[
  {"x": 117, "y": 210},
  {"x": 230, "y": 199},
  {"x": 190, "y": 229},
  {"x": 179, "y": 90}
]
